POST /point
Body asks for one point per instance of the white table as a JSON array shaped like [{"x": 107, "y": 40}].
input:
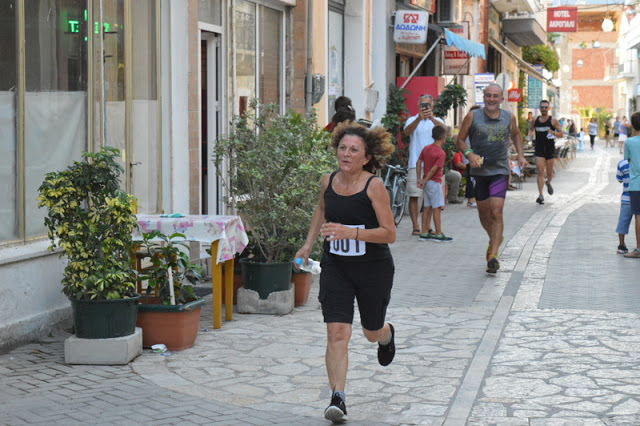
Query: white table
[{"x": 227, "y": 236}]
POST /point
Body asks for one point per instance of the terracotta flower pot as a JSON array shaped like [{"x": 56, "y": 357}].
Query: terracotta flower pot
[
  {"x": 175, "y": 326},
  {"x": 302, "y": 286}
]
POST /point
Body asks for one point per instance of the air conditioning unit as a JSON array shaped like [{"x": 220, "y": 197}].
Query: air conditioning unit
[{"x": 444, "y": 11}]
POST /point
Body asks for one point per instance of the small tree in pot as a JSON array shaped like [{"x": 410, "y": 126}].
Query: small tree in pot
[
  {"x": 91, "y": 220},
  {"x": 271, "y": 167}
]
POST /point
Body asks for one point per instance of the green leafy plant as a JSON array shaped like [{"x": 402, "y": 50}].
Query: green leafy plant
[
  {"x": 274, "y": 165},
  {"x": 91, "y": 220},
  {"x": 169, "y": 262},
  {"x": 541, "y": 54},
  {"x": 453, "y": 96},
  {"x": 393, "y": 120},
  {"x": 600, "y": 113}
]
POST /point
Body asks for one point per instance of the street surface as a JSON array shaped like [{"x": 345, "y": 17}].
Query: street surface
[{"x": 552, "y": 339}]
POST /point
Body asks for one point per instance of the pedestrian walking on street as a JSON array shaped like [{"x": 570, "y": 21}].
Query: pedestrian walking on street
[
  {"x": 632, "y": 154},
  {"x": 432, "y": 157},
  {"x": 622, "y": 174},
  {"x": 616, "y": 129},
  {"x": 545, "y": 130},
  {"x": 419, "y": 127},
  {"x": 624, "y": 125},
  {"x": 593, "y": 131},
  {"x": 490, "y": 130},
  {"x": 354, "y": 216}
]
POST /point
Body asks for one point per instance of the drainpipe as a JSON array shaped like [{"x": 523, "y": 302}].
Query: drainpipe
[
  {"x": 474, "y": 59},
  {"x": 309, "y": 82}
]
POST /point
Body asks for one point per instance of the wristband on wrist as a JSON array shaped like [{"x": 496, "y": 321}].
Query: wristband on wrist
[{"x": 468, "y": 151}]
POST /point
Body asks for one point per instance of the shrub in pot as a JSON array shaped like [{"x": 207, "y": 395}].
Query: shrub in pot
[
  {"x": 169, "y": 312},
  {"x": 271, "y": 166},
  {"x": 90, "y": 219}
]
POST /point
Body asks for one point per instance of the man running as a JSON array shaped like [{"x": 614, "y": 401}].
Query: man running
[
  {"x": 544, "y": 130},
  {"x": 489, "y": 130}
]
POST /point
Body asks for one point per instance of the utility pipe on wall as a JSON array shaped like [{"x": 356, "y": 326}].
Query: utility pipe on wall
[{"x": 309, "y": 79}]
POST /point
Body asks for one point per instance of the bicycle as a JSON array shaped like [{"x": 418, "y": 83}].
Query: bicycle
[{"x": 396, "y": 183}]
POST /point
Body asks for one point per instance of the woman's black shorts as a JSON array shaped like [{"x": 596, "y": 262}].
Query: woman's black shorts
[{"x": 368, "y": 282}]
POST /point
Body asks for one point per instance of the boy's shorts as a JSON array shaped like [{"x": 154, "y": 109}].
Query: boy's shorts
[
  {"x": 624, "y": 219},
  {"x": 635, "y": 202},
  {"x": 433, "y": 196},
  {"x": 412, "y": 184},
  {"x": 368, "y": 282}
]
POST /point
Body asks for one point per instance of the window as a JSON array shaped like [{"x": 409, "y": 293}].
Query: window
[{"x": 444, "y": 12}]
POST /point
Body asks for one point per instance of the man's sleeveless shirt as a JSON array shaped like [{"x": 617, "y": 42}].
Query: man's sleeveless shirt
[
  {"x": 353, "y": 210},
  {"x": 490, "y": 139},
  {"x": 542, "y": 129}
]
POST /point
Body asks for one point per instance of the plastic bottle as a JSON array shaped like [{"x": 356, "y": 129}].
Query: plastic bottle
[{"x": 312, "y": 266}]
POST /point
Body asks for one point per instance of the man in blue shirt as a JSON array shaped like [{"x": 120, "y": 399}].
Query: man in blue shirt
[{"x": 632, "y": 154}]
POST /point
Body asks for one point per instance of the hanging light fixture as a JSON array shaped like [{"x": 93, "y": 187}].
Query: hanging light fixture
[{"x": 607, "y": 25}]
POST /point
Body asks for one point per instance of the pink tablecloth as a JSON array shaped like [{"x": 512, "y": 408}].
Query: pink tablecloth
[{"x": 227, "y": 230}]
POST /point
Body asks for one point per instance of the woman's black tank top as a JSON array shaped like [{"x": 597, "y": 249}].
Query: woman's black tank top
[{"x": 357, "y": 211}]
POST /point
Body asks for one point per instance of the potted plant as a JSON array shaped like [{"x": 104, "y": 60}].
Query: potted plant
[
  {"x": 169, "y": 312},
  {"x": 90, "y": 219},
  {"x": 271, "y": 167}
]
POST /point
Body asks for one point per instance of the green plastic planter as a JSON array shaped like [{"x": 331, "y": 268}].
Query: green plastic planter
[
  {"x": 104, "y": 319},
  {"x": 265, "y": 278}
]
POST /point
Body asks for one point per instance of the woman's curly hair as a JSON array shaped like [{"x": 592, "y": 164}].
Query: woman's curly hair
[{"x": 377, "y": 143}]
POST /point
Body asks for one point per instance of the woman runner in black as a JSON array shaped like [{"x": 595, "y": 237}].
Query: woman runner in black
[{"x": 354, "y": 216}]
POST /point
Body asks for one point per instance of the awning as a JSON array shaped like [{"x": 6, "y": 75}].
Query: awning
[
  {"x": 523, "y": 64},
  {"x": 470, "y": 47},
  {"x": 467, "y": 46}
]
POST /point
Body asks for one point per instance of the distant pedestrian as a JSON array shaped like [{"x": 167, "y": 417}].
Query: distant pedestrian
[
  {"x": 344, "y": 112},
  {"x": 616, "y": 129},
  {"x": 622, "y": 174},
  {"x": 632, "y": 154},
  {"x": 545, "y": 130},
  {"x": 607, "y": 135},
  {"x": 624, "y": 125},
  {"x": 581, "y": 137},
  {"x": 529, "y": 123},
  {"x": 432, "y": 157},
  {"x": 593, "y": 131},
  {"x": 490, "y": 130},
  {"x": 419, "y": 127},
  {"x": 354, "y": 216}
]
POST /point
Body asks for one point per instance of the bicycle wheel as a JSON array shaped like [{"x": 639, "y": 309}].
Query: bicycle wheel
[{"x": 398, "y": 202}]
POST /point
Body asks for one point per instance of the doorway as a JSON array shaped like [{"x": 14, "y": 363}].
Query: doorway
[{"x": 210, "y": 119}]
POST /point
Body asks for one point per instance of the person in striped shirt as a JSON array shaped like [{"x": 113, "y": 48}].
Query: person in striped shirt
[{"x": 624, "y": 220}]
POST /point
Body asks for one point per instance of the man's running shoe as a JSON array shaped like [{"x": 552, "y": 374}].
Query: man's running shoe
[
  {"x": 622, "y": 249},
  {"x": 549, "y": 188},
  {"x": 441, "y": 238},
  {"x": 540, "y": 199},
  {"x": 493, "y": 265},
  {"x": 488, "y": 255},
  {"x": 634, "y": 254},
  {"x": 388, "y": 351},
  {"x": 337, "y": 410}
]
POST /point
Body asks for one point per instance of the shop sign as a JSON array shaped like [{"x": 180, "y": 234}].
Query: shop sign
[
  {"x": 410, "y": 27},
  {"x": 514, "y": 95},
  {"x": 455, "y": 61},
  {"x": 562, "y": 19}
]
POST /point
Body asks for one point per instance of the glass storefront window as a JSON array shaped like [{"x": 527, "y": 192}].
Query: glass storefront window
[
  {"x": 245, "y": 53},
  {"x": 270, "y": 40},
  {"x": 210, "y": 11},
  {"x": 55, "y": 101},
  {"x": 144, "y": 114},
  {"x": 8, "y": 144}
]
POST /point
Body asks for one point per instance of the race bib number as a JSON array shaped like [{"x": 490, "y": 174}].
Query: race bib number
[{"x": 348, "y": 247}]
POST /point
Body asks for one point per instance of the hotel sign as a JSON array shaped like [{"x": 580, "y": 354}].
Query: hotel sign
[{"x": 562, "y": 19}]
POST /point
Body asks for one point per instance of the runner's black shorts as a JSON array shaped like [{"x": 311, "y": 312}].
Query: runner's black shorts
[
  {"x": 367, "y": 282},
  {"x": 491, "y": 186},
  {"x": 546, "y": 149}
]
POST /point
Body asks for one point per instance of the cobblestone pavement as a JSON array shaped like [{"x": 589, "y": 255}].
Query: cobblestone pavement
[{"x": 552, "y": 339}]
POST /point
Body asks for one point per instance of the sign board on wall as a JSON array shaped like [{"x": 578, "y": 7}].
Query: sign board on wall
[
  {"x": 562, "y": 19},
  {"x": 482, "y": 81},
  {"x": 534, "y": 89},
  {"x": 455, "y": 61},
  {"x": 410, "y": 27},
  {"x": 514, "y": 95}
]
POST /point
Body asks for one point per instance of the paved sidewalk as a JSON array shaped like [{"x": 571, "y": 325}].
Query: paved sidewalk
[{"x": 552, "y": 339}]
